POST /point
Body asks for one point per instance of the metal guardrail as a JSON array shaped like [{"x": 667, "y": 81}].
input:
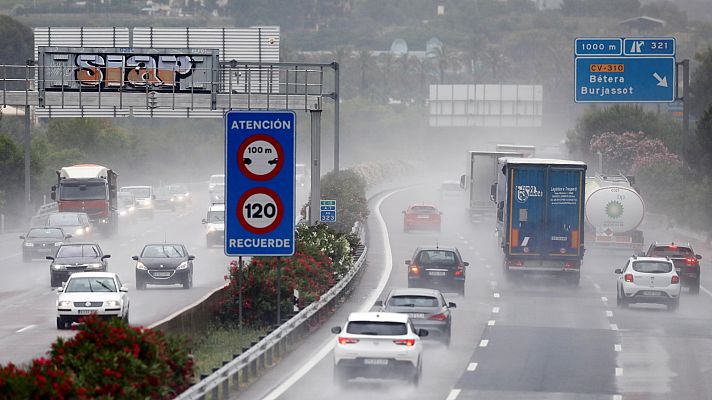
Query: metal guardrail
[
  {"x": 263, "y": 354},
  {"x": 40, "y": 218}
]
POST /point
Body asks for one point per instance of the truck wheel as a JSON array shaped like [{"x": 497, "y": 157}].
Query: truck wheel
[
  {"x": 574, "y": 279},
  {"x": 695, "y": 288}
]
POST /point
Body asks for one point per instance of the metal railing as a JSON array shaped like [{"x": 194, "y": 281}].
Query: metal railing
[{"x": 247, "y": 366}]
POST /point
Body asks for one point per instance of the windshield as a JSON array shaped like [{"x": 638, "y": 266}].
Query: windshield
[
  {"x": 163, "y": 251},
  {"x": 423, "y": 210},
  {"x": 84, "y": 191},
  {"x": 413, "y": 301},
  {"x": 78, "y": 250},
  {"x": 45, "y": 233},
  {"x": 216, "y": 217},
  {"x": 670, "y": 251},
  {"x": 125, "y": 199},
  {"x": 140, "y": 193},
  {"x": 93, "y": 284},
  {"x": 437, "y": 257},
  {"x": 64, "y": 219},
  {"x": 652, "y": 267},
  {"x": 376, "y": 328}
]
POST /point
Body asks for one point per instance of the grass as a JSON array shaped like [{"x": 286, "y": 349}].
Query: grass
[{"x": 219, "y": 344}]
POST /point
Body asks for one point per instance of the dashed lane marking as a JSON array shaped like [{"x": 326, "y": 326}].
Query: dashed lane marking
[
  {"x": 617, "y": 397},
  {"x": 453, "y": 394},
  {"x": 597, "y": 286},
  {"x": 495, "y": 310},
  {"x": 472, "y": 367},
  {"x": 609, "y": 313},
  {"x": 604, "y": 299},
  {"x": 27, "y": 328},
  {"x": 619, "y": 371},
  {"x": 484, "y": 343},
  {"x": 488, "y": 266},
  {"x": 496, "y": 295},
  {"x": 614, "y": 327},
  {"x": 704, "y": 289},
  {"x": 491, "y": 322},
  {"x": 617, "y": 347}
]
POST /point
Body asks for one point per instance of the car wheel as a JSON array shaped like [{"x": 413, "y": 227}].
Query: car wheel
[
  {"x": 188, "y": 282},
  {"x": 26, "y": 257},
  {"x": 415, "y": 379},
  {"x": 448, "y": 337},
  {"x": 54, "y": 282},
  {"x": 140, "y": 285},
  {"x": 695, "y": 288},
  {"x": 623, "y": 299},
  {"x": 125, "y": 318},
  {"x": 574, "y": 279},
  {"x": 61, "y": 325},
  {"x": 339, "y": 377},
  {"x": 461, "y": 289},
  {"x": 674, "y": 305}
]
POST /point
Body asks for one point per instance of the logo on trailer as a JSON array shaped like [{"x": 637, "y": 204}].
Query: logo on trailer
[
  {"x": 525, "y": 192},
  {"x": 614, "y": 209}
]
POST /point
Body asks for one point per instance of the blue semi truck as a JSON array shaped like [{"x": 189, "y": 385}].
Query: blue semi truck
[{"x": 540, "y": 216}]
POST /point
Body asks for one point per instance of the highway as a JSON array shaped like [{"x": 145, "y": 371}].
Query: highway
[{"x": 538, "y": 339}]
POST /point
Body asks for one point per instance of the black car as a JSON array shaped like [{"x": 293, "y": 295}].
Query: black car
[
  {"x": 180, "y": 194},
  {"x": 41, "y": 242},
  {"x": 164, "y": 264},
  {"x": 437, "y": 267},
  {"x": 76, "y": 257},
  {"x": 687, "y": 263}
]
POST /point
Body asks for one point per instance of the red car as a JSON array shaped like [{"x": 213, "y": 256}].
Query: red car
[{"x": 421, "y": 216}]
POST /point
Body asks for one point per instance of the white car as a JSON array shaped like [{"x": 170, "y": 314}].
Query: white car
[
  {"x": 215, "y": 225},
  {"x": 85, "y": 293},
  {"x": 648, "y": 280},
  {"x": 378, "y": 345}
]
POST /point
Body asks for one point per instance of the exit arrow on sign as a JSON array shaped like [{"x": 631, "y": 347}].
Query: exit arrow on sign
[{"x": 661, "y": 81}]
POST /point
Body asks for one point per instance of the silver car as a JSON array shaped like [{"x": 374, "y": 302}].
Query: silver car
[{"x": 426, "y": 308}]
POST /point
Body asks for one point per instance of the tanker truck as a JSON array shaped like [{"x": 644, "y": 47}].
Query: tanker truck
[{"x": 614, "y": 210}]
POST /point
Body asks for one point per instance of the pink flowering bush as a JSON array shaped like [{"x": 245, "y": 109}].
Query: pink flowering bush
[{"x": 631, "y": 152}]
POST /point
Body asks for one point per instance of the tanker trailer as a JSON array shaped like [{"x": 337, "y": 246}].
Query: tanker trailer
[{"x": 614, "y": 211}]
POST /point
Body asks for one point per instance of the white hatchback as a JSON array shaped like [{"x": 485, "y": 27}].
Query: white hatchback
[
  {"x": 378, "y": 345},
  {"x": 648, "y": 280},
  {"x": 86, "y": 293}
]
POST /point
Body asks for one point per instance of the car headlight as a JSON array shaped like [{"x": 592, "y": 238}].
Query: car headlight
[
  {"x": 57, "y": 244},
  {"x": 29, "y": 245},
  {"x": 172, "y": 200},
  {"x": 183, "y": 265},
  {"x": 211, "y": 228},
  {"x": 187, "y": 194},
  {"x": 132, "y": 208},
  {"x": 123, "y": 213},
  {"x": 79, "y": 232},
  {"x": 139, "y": 265},
  {"x": 64, "y": 303},
  {"x": 94, "y": 266},
  {"x": 59, "y": 266},
  {"x": 87, "y": 229},
  {"x": 112, "y": 303}
]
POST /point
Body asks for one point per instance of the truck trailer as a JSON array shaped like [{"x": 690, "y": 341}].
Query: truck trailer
[
  {"x": 540, "y": 216},
  {"x": 92, "y": 189},
  {"x": 614, "y": 211}
]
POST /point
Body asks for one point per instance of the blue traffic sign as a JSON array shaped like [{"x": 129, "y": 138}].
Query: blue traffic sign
[
  {"x": 599, "y": 47},
  {"x": 259, "y": 183},
  {"x": 625, "y": 79},
  {"x": 649, "y": 46},
  {"x": 327, "y": 210}
]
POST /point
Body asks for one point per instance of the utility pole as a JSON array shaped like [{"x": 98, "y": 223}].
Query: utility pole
[
  {"x": 315, "y": 114},
  {"x": 337, "y": 100}
]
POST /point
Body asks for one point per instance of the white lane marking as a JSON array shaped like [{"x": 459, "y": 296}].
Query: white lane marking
[
  {"x": 604, "y": 299},
  {"x": 496, "y": 295},
  {"x": 617, "y": 397},
  {"x": 704, "y": 289},
  {"x": 471, "y": 248},
  {"x": 493, "y": 283},
  {"x": 491, "y": 322},
  {"x": 329, "y": 344},
  {"x": 484, "y": 343},
  {"x": 453, "y": 394},
  {"x": 614, "y": 327},
  {"x": 123, "y": 244},
  {"x": 609, "y": 313},
  {"x": 10, "y": 256},
  {"x": 488, "y": 266},
  {"x": 465, "y": 241},
  {"x": 132, "y": 240},
  {"x": 491, "y": 274},
  {"x": 495, "y": 310},
  {"x": 27, "y": 328},
  {"x": 617, "y": 347},
  {"x": 472, "y": 367},
  {"x": 619, "y": 371},
  {"x": 597, "y": 286}
]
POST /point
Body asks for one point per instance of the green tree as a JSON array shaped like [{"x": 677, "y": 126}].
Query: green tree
[
  {"x": 701, "y": 149},
  {"x": 701, "y": 85},
  {"x": 349, "y": 191}
]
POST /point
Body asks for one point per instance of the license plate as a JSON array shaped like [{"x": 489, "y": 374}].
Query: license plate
[
  {"x": 650, "y": 293},
  {"x": 85, "y": 311},
  {"x": 436, "y": 273},
  {"x": 416, "y": 315},
  {"x": 375, "y": 361},
  {"x": 162, "y": 273},
  {"x": 423, "y": 216}
]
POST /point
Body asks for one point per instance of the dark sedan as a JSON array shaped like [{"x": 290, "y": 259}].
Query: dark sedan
[
  {"x": 164, "y": 264},
  {"x": 42, "y": 242},
  {"x": 76, "y": 257},
  {"x": 437, "y": 267},
  {"x": 426, "y": 308}
]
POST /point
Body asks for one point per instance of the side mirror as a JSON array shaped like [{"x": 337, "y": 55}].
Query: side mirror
[
  {"x": 68, "y": 236},
  {"x": 452, "y": 305},
  {"x": 50, "y": 258},
  {"x": 423, "y": 332},
  {"x": 60, "y": 289},
  {"x": 105, "y": 256},
  {"x": 135, "y": 258},
  {"x": 204, "y": 221},
  {"x": 22, "y": 237},
  {"x": 124, "y": 289},
  {"x": 467, "y": 264},
  {"x": 191, "y": 258},
  {"x": 407, "y": 262},
  {"x": 698, "y": 256},
  {"x": 462, "y": 181},
  {"x": 336, "y": 330},
  {"x": 618, "y": 271},
  {"x": 378, "y": 303}
]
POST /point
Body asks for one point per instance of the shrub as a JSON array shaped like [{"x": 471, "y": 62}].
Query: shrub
[
  {"x": 348, "y": 188},
  {"x": 631, "y": 151},
  {"x": 319, "y": 239}
]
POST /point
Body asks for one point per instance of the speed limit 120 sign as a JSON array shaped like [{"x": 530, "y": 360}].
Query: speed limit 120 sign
[{"x": 259, "y": 183}]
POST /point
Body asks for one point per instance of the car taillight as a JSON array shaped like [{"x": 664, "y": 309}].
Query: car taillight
[
  {"x": 675, "y": 279},
  {"x": 458, "y": 272},
  {"x": 690, "y": 260},
  {"x": 346, "y": 340},
  {"x": 438, "y": 317},
  {"x": 405, "y": 342},
  {"x": 628, "y": 277},
  {"x": 515, "y": 263},
  {"x": 569, "y": 264},
  {"x": 414, "y": 270}
]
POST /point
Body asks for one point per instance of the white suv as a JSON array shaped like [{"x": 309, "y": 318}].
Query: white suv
[
  {"x": 648, "y": 280},
  {"x": 378, "y": 345},
  {"x": 215, "y": 225}
]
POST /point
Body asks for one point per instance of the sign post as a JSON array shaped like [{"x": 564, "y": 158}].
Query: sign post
[
  {"x": 625, "y": 70},
  {"x": 259, "y": 183}
]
